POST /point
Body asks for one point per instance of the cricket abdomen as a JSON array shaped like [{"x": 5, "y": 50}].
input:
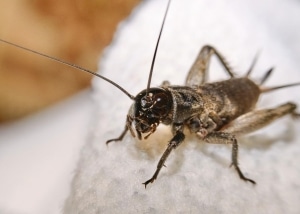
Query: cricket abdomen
[{"x": 230, "y": 98}]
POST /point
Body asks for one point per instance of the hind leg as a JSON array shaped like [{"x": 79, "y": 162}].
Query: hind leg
[
  {"x": 197, "y": 73},
  {"x": 258, "y": 119},
  {"x": 247, "y": 123}
]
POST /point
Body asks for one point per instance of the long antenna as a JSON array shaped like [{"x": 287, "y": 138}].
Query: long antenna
[
  {"x": 156, "y": 47},
  {"x": 72, "y": 66}
]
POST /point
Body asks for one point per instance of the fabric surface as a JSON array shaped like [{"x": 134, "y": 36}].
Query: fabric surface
[{"x": 197, "y": 178}]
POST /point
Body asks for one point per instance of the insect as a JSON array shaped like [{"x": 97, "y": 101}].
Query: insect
[{"x": 215, "y": 112}]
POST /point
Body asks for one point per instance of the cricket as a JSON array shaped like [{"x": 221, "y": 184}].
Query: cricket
[{"x": 216, "y": 112}]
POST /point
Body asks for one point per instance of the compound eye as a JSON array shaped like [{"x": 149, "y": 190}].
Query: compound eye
[{"x": 160, "y": 100}]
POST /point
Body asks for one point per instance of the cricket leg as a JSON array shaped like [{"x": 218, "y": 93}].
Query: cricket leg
[
  {"x": 176, "y": 140},
  {"x": 118, "y": 138},
  {"x": 197, "y": 74},
  {"x": 258, "y": 119},
  {"x": 127, "y": 127},
  {"x": 227, "y": 138}
]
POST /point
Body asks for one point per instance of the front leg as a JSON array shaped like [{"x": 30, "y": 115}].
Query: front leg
[
  {"x": 118, "y": 138},
  {"x": 227, "y": 138},
  {"x": 127, "y": 127},
  {"x": 176, "y": 140}
]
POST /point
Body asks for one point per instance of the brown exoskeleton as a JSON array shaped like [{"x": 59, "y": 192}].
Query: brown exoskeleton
[{"x": 215, "y": 112}]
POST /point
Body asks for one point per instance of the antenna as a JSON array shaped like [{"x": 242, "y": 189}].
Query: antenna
[
  {"x": 72, "y": 66},
  {"x": 156, "y": 47}
]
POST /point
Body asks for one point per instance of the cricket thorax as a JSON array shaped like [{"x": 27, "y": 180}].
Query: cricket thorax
[{"x": 187, "y": 102}]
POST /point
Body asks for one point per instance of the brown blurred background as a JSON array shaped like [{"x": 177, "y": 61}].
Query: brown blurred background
[{"x": 73, "y": 30}]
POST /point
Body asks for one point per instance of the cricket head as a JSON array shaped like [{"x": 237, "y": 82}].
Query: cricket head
[
  {"x": 150, "y": 108},
  {"x": 152, "y": 105}
]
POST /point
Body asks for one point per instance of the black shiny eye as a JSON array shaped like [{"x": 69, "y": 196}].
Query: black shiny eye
[
  {"x": 152, "y": 106},
  {"x": 160, "y": 100}
]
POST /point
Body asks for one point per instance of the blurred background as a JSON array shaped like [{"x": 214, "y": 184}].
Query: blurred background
[{"x": 75, "y": 31}]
